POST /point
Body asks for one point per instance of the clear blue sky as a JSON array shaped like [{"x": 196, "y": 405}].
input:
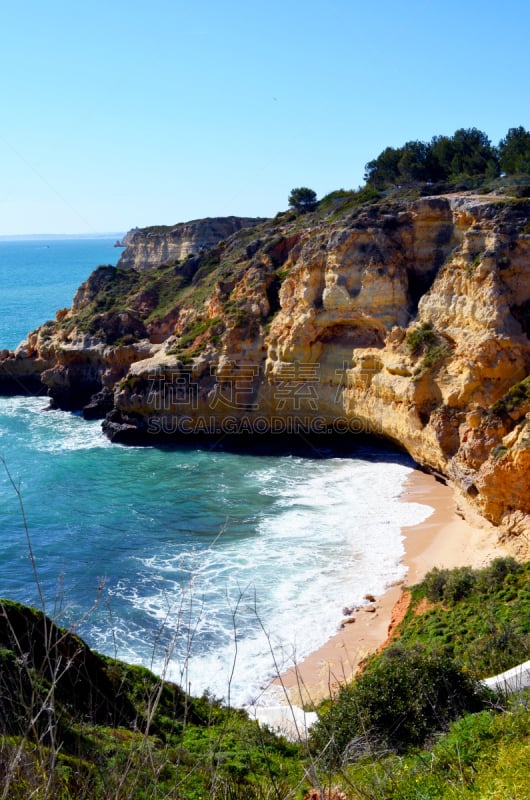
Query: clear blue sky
[{"x": 116, "y": 114}]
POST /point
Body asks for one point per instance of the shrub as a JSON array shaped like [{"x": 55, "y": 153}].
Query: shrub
[
  {"x": 480, "y": 618},
  {"x": 449, "y": 586},
  {"x": 504, "y": 643},
  {"x": 499, "y": 451},
  {"x": 340, "y": 203},
  {"x": 418, "y": 338},
  {"x": 491, "y": 578},
  {"x": 434, "y": 584},
  {"x": 400, "y": 701},
  {"x": 434, "y": 354},
  {"x": 459, "y": 584}
]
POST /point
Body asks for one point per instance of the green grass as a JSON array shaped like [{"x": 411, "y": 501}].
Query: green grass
[
  {"x": 473, "y": 264},
  {"x": 403, "y": 730},
  {"x": 519, "y": 393},
  {"x": 74, "y": 724},
  {"x": 425, "y": 341},
  {"x": 499, "y": 451},
  {"x": 124, "y": 306},
  {"x": 434, "y": 354},
  {"x": 341, "y": 202},
  {"x": 478, "y": 621},
  {"x": 483, "y": 756},
  {"x": 479, "y": 617},
  {"x": 206, "y": 330}
]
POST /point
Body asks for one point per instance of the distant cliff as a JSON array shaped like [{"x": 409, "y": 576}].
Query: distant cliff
[
  {"x": 149, "y": 247},
  {"x": 405, "y": 319}
]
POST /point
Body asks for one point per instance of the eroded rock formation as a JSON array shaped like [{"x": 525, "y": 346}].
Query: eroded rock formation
[
  {"x": 409, "y": 320},
  {"x": 149, "y": 247}
]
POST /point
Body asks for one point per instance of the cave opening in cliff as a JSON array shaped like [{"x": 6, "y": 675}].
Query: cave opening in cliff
[
  {"x": 522, "y": 314},
  {"x": 419, "y": 284}
]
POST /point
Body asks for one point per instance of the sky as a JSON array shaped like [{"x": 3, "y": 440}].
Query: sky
[{"x": 119, "y": 114}]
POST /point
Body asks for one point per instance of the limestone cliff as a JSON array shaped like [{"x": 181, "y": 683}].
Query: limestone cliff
[
  {"x": 150, "y": 247},
  {"x": 408, "y": 320}
]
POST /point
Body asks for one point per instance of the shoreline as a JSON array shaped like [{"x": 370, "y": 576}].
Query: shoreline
[{"x": 444, "y": 539}]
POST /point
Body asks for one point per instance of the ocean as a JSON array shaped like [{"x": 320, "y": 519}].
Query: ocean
[{"x": 213, "y": 568}]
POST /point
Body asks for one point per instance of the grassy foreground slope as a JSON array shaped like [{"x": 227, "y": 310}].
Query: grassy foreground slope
[{"x": 75, "y": 724}]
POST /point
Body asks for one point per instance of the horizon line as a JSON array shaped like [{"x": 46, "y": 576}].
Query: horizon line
[{"x": 48, "y": 236}]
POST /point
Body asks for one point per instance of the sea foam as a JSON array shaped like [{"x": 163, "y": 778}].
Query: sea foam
[{"x": 216, "y": 569}]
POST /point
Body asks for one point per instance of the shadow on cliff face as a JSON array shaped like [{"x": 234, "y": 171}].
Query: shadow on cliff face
[
  {"x": 522, "y": 314},
  {"x": 356, "y": 443},
  {"x": 419, "y": 283}
]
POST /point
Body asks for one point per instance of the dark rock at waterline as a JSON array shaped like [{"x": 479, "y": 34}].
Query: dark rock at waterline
[
  {"x": 100, "y": 405},
  {"x": 121, "y": 430},
  {"x": 73, "y": 391}
]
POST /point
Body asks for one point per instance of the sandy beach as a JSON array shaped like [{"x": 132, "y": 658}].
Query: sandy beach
[{"x": 444, "y": 539}]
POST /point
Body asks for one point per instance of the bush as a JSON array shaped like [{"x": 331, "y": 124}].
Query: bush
[
  {"x": 400, "y": 701},
  {"x": 418, "y": 338},
  {"x": 493, "y": 577},
  {"x": 503, "y": 644},
  {"x": 434, "y": 584},
  {"x": 459, "y": 584},
  {"x": 481, "y": 617},
  {"x": 449, "y": 586}
]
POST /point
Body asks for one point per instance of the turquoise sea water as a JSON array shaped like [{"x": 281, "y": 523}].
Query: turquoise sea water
[
  {"x": 212, "y": 567},
  {"x": 38, "y": 277}
]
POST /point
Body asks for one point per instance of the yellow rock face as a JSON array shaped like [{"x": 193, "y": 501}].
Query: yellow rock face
[
  {"x": 410, "y": 321},
  {"x": 346, "y": 305},
  {"x": 149, "y": 247}
]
